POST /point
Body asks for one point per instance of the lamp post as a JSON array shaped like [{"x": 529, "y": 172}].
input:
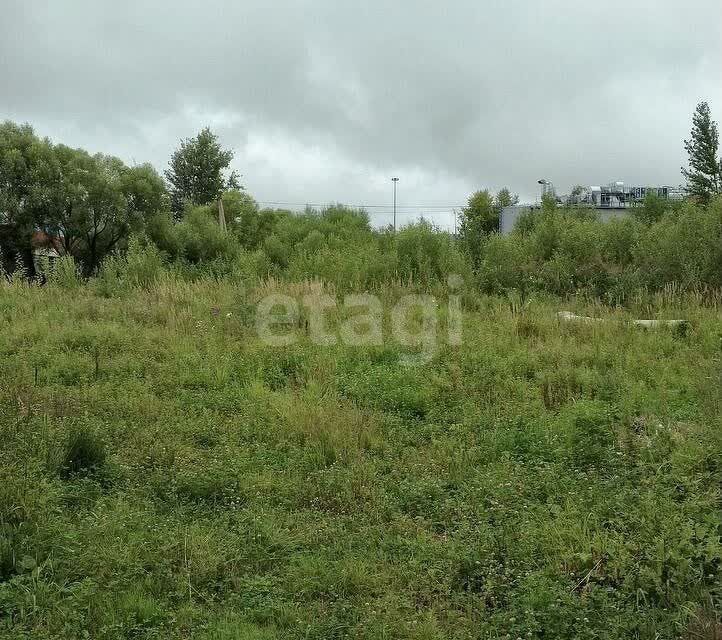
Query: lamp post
[
  {"x": 544, "y": 185},
  {"x": 395, "y": 181},
  {"x": 547, "y": 188}
]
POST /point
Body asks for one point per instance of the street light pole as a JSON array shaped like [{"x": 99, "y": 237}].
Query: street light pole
[
  {"x": 544, "y": 186},
  {"x": 394, "y": 180}
]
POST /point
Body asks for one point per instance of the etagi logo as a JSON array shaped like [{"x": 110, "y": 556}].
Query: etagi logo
[{"x": 358, "y": 320}]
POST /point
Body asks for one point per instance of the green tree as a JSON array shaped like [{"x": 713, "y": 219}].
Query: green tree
[
  {"x": 505, "y": 199},
  {"x": 241, "y": 212},
  {"x": 90, "y": 203},
  {"x": 97, "y": 201},
  {"x": 480, "y": 217},
  {"x": 704, "y": 173},
  {"x": 144, "y": 190},
  {"x": 26, "y": 163},
  {"x": 196, "y": 172}
]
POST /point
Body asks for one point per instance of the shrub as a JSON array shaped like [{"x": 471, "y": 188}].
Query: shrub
[
  {"x": 110, "y": 281},
  {"x": 682, "y": 247},
  {"x": 427, "y": 255},
  {"x": 653, "y": 209},
  {"x": 162, "y": 232},
  {"x": 65, "y": 273},
  {"x": 312, "y": 243},
  {"x": 143, "y": 263},
  {"x": 346, "y": 267},
  {"x": 249, "y": 266},
  {"x": 278, "y": 253},
  {"x": 506, "y": 263},
  {"x": 570, "y": 251},
  {"x": 202, "y": 239}
]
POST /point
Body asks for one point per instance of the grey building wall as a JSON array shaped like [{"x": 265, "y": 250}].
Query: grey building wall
[
  {"x": 510, "y": 215},
  {"x": 605, "y": 215}
]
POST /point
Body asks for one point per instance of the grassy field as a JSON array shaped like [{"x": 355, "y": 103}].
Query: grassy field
[{"x": 163, "y": 474}]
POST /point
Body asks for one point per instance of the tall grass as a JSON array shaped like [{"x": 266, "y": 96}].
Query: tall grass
[{"x": 543, "y": 479}]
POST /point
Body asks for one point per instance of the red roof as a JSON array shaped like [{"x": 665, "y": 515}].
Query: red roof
[{"x": 42, "y": 240}]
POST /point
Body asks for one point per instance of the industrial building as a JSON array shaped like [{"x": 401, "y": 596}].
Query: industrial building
[
  {"x": 618, "y": 196},
  {"x": 612, "y": 201}
]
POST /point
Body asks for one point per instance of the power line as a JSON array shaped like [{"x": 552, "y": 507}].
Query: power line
[
  {"x": 411, "y": 213},
  {"x": 443, "y": 207}
]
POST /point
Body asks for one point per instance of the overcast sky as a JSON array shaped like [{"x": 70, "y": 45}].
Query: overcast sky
[{"x": 324, "y": 101}]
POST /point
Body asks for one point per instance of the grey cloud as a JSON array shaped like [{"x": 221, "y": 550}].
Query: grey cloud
[{"x": 326, "y": 100}]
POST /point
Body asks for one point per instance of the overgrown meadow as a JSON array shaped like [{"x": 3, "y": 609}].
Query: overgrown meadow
[{"x": 166, "y": 474}]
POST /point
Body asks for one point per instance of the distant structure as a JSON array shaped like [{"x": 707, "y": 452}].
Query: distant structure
[
  {"x": 46, "y": 250},
  {"x": 613, "y": 200},
  {"x": 618, "y": 196}
]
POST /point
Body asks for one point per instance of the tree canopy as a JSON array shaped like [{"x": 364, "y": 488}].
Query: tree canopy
[
  {"x": 704, "y": 172},
  {"x": 89, "y": 203},
  {"x": 480, "y": 217},
  {"x": 196, "y": 171}
]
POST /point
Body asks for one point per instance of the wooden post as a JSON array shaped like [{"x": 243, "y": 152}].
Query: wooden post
[{"x": 221, "y": 214}]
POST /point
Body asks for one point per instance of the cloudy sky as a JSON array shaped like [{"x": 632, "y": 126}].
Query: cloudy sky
[{"x": 324, "y": 101}]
